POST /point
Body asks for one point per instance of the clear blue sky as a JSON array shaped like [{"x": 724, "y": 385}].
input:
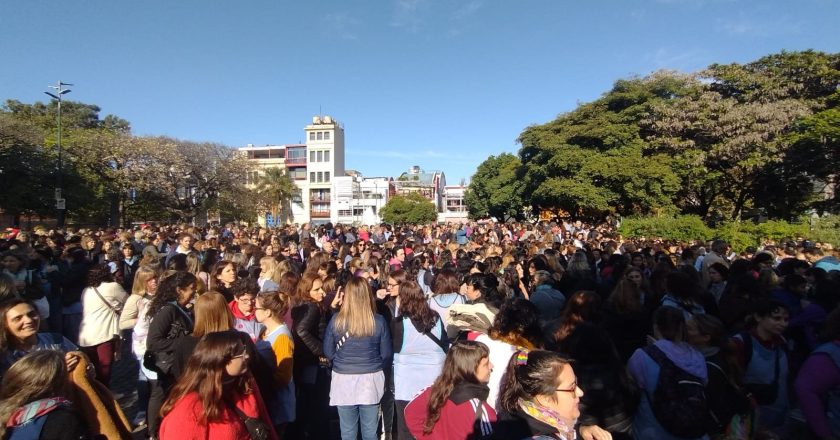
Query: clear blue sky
[{"x": 437, "y": 83}]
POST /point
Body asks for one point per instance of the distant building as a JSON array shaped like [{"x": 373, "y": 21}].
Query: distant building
[
  {"x": 360, "y": 199},
  {"x": 454, "y": 208},
  {"x": 312, "y": 166},
  {"x": 429, "y": 184}
]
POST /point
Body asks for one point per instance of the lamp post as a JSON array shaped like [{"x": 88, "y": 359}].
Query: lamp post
[{"x": 59, "y": 200}]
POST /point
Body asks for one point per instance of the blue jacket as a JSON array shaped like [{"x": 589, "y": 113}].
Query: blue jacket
[
  {"x": 358, "y": 355},
  {"x": 549, "y": 302}
]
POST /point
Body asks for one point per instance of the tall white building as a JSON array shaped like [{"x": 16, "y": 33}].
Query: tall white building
[
  {"x": 359, "y": 199},
  {"x": 313, "y": 166}
]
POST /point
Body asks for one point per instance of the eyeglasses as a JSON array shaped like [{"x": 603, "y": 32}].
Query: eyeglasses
[
  {"x": 573, "y": 389},
  {"x": 393, "y": 284},
  {"x": 245, "y": 300}
]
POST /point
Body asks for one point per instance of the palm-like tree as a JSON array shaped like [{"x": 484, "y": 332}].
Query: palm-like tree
[{"x": 275, "y": 190}]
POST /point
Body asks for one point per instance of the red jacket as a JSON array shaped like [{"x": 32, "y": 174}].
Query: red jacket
[
  {"x": 457, "y": 420},
  {"x": 182, "y": 423}
]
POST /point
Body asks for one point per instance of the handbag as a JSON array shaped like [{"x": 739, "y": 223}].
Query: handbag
[
  {"x": 257, "y": 429},
  {"x": 117, "y": 345}
]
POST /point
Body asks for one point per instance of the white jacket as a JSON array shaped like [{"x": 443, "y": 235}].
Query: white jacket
[{"x": 100, "y": 323}]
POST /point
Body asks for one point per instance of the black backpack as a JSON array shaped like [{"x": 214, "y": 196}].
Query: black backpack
[{"x": 679, "y": 401}]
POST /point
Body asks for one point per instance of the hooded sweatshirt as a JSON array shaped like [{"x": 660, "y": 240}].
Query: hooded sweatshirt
[
  {"x": 245, "y": 324},
  {"x": 645, "y": 371}
]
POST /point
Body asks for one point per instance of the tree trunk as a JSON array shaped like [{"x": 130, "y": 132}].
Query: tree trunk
[{"x": 114, "y": 213}]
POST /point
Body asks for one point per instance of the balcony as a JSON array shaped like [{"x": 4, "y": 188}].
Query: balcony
[
  {"x": 319, "y": 214},
  {"x": 296, "y": 161}
]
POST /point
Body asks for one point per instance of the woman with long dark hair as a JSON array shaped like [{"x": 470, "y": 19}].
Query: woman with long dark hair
[
  {"x": 171, "y": 320},
  {"x": 216, "y": 397},
  {"x": 455, "y": 406},
  {"x": 420, "y": 345}
]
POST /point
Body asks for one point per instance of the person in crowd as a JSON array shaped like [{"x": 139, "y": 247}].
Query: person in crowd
[
  {"x": 245, "y": 292},
  {"x": 660, "y": 415},
  {"x": 128, "y": 265},
  {"x": 627, "y": 314},
  {"x": 609, "y": 397},
  {"x": 99, "y": 333},
  {"x": 193, "y": 265},
  {"x": 216, "y": 396},
  {"x": 791, "y": 293},
  {"x": 730, "y": 409},
  {"x": 818, "y": 381},
  {"x": 8, "y": 288},
  {"x": 133, "y": 320},
  {"x": 33, "y": 403},
  {"x": 761, "y": 352},
  {"x": 717, "y": 254},
  {"x": 222, "y": 277},
  {"x": 184, "y": 246},
  {"x": 310, "y": 364},
  {"x": 682, "y": 294},
  {"x": 358, "y": 344},
  {"x": 211, "y": 314},
  {"x": 540, "y": 398},
  {"x": 270, "y": 309},
  {"x": 583, "y": 306},
  {"x": 420, "y": 344},
  {"x": 549, "y": 301},
  {"x": 455, "y": 407},
  {"x": 483, "y": 299},
  {"x": 718, "y": 274},
  {"x": 170, "y": 320},
  {"x": 27, "y": 282},
  {"x": 270, "y": 273},
  {"x": 19, "y": 335},
  {"x": 736, "y": 302},
  {"x": 515, "y": 327}
]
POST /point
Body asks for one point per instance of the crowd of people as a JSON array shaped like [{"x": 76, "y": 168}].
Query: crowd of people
[{"x": 557, "y": 330}]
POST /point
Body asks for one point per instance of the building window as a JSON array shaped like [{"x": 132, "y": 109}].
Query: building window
[
  {"x": 320, "y": 135},
  {"x": 320, "y": 156},
  {"x": 326, "y": 135},
  {"x": 297, "y": 173},
  {"x": 326, "y": 156},
  {"x": 344, "y": 212},
  {"x": 320, "y": 177},
  {"x": 326, "y": 176},
  {"x": 311, "y": 135},
  {"x": 312, "y": 177},
  {"x": 358, "y": 211},
  {"x": 312, "y": 156}
]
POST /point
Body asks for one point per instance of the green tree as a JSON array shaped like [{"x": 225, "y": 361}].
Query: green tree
[
  {"x": 275, "y": 190},
  {"x": 410, "y": 208},
  {"x": 27, "y": 175},
  {"x": 494, "y": 189},
  {"x": 594, "y": 160}
]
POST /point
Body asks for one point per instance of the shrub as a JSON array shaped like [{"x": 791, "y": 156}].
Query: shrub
[{"x": 681, "y": 228}]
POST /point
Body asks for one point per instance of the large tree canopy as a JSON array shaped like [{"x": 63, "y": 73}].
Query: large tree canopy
[{"x": 716, "y": 143}]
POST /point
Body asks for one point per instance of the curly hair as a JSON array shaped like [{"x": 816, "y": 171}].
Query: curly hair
[
  {"x": 99, "y": 274},
  {"x": 413, "y": 305},
  {"x": 168, "y": 290},
  {"x": 517, "y": 323}
]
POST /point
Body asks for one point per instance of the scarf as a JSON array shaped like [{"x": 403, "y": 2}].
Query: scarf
[
  {"x": 565, "y": 428},
  {"x": 33, "y": 410}
]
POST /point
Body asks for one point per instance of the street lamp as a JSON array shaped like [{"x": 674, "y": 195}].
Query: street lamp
[{"x": 59, "y": 200}]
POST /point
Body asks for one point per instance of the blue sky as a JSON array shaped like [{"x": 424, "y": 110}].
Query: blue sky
[{"x": 440, "y": 84}]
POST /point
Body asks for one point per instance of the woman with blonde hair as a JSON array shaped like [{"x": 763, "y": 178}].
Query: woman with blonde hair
[
  {"x": 194, "y": 267},
  {"x": 211, "y": 315},
  {"x": 270, "y": 310},
  {"x": 270, "y": 274},
  {"x": 133, "y": 320},
  {"x": 32, "y": 403},
  {"x": 358, "y": 344}
]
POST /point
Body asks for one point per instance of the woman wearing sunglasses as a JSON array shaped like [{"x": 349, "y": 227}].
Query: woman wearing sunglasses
[{"x": 216, "y": 396}]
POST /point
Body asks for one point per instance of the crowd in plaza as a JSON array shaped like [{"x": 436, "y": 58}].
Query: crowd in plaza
[{"x": 482, "y": 330}]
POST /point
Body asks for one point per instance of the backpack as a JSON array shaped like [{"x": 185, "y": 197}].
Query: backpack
[
  {"x": 679, "y": 400},
  {"x": 762, "y": 393}
]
